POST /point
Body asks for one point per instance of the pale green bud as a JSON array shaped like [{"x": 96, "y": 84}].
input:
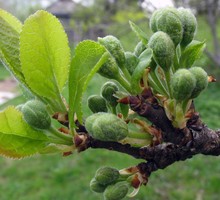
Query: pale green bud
[
  {"x": 106, "y": 127},
  {"x": 108, "y": 90},
  {"x": 95, "y": 186},
  {"x": 183, "y": 83},
  {"x": 36, "y": 115},
  {"x": 153, "y": 21},
  {"x": 201, "y": 80},
  {"x": 109, "y": 69},
  {"x": 168, "y": 21},
  {"x": 189, "y": 24},
  {"x": 131, "y": 62},
  {"x": 106, "y": 175},
  {"x": 117, "y": 191},
  {"x": 163, "y": 49},
  {"x": 113, "y": 45},
  {"x": 139, "y": 49},
  {"x": 97, "y": 104}
]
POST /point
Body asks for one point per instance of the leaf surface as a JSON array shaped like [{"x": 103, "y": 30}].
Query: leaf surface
[
  {"x": 191, "y": 53},
  {"x": 139, "y": 32},
  {"x": 144, "y": 61},
  {"x": 17, "y": 138},
  {"x": 89, "y": 57},
  {"x": 44, "y": 55},
  {"x": 9, "y": 43}
]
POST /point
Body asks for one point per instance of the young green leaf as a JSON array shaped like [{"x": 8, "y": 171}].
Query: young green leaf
[
  {"x": 45, "y": 56},
  {"x": 144, "y": 61},
  {"x": 89, "y": 57},
  {"x": 139, "y": 32},
  {"x": 17, "y": 138},
  {"x": 9, "y": 43},
  {"x": 191, "y": 53}
]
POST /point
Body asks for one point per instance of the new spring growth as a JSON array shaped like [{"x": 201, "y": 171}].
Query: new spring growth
[
  {"x": 106, "y": 127},
  {"x": 116, "y": 191},
  {"x": 97, "y": 187},
  {"x": 113, "y": 45},
  {"x": 201, "y": 81},
  {"x": 189, "y": 24},
  {"x": 139, "y": 49},
  {"x": 163, "y": 49},
  {"x": 111, "y": 70},
  {"x": 188, "y": 84},
  {"x": 106, "y": 175},
  {"x": 97, "y": 104},
  {"x": 183, "y": 83},
  {"x": 168, "y": 20},
  {"x": 108, "y": 91},
  {"x": 131, "y": 62},
  {"x": 36, "y": 115}
]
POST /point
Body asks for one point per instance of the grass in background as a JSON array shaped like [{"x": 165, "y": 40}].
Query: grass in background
[{"x": 54, "y": 177}]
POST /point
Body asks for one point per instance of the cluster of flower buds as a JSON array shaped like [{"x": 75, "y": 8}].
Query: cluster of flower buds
[
  {"x": 174, "y": 52},
  {"x": 115, "y": 184}
]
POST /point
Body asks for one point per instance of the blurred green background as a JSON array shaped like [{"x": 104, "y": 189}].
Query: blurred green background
[{"x": 54, "y": 177}]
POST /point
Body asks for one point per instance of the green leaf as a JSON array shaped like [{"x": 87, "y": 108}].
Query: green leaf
[
  {"x": 191, "y": 53},
  {"x": 17, "y": 138},
  {"x": 144, "y": 61},
  {"x": 9, "y": 43},
  {"x": 89, "y": 57},
  {"x": 139, "y": 32},
  {"x": 45, "y": 56}
]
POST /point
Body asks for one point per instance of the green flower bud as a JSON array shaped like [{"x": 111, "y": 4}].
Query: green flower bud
[
  {"x": 189, "y": 24},
  {"x": 106, "y": 175},
  {"x": 139, "y": 49},
  {"x": 153, "y": 21},
  {"x": 90, "y": 120},
  {"x": 36, "y": 115},
  {"x": 113, "y": 45},
  {"x": 109, "y": 69},
  {"x": 163, "y": 49},
  {"x": 117, "y": 191},
  {"x": 131, "y": 62},
  {"x": 97, "y": 103},
  {"x": 108, "y": 90},
  {"x": 168, "y": 21},
  {"x": 183, "y": 83},
  {"x": 106, "y": 127},
  {"x": 201, "y": 80},
  {"x": 95, "y": 186}
]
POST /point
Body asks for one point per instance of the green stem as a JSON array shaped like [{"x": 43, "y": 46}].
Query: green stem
[
  {"x": 56, "y": 140},
  {"x": 67, "y": 138},
  {"x": 186, "y": 104},
  {"x": 57, "y": 106},
  {"x": 136, "y": 142},
  {"x": 113, "y": 109},
  {"x": 124, "y": 83},
  {"x": 126, "y": 73},
  {"x": 154, "y": 85},
  {"x": 168, "y": 79},
  {"x": 157, "y": 80},
  {"x": 138, "y": 135},
  {"x": 176, "y": 62}
]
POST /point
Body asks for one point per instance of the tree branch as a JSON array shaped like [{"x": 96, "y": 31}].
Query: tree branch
[{"x": 195, "y": 138}]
